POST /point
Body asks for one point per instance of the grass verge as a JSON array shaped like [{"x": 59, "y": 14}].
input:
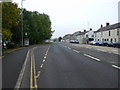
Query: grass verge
[{"x": 5, "y": 51}]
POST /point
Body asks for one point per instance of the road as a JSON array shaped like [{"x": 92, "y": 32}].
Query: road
[{"x": 61, "y": 65}]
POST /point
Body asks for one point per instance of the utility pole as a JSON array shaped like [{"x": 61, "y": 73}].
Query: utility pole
[{"x": 22, "y": 21}]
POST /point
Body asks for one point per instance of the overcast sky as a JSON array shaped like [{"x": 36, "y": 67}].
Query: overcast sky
[{"x": 69, "y": 16}]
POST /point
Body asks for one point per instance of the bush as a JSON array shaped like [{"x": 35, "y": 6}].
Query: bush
[
  {"x": 90, "y": 39},
  {"x": 10, "y": 45}
]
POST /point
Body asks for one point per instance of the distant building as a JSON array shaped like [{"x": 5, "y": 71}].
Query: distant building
[
  {"x": 109, "y": 33},
  {"x": 66, "y": 38},
  {"x": 74, "y": 35},
  {"x": 80, "y": 38},
  {"x": 69, "y": 37},
  {"x": 89, "y": 35},
  {"x": 84, "y": 37},
  {"x": 119, "y": 11}
]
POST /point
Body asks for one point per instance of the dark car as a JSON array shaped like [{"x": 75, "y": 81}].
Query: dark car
[
  {"x": 105, "y": 43},
  {"x": 109, "y": 44},
  {"x": 116, "y": 44},
  {"x": 100, "y": 43}
]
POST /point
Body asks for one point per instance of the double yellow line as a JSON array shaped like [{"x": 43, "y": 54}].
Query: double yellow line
[{"x": 33, "y": 80}]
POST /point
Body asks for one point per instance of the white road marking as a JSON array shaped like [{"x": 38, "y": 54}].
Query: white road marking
[
  {"x": 76, "y": 51},
  {"x": 114, "y": 50},
  {"x": 92, "y": 57},
  {"x": 44, "y": 57},
  {"x": 115, "y": 66},
  {"x": 18, "y": 83},
  {"x": 112, "y": 62},
  {"x": 115, "y": 53},
  {"x": 101, "y": 50},
  {"x": 44, "y": 60},
  {"x": 41, "y": 66},
  {"x": 69, "y": 48},
  {"x": 38, "y": 74}
]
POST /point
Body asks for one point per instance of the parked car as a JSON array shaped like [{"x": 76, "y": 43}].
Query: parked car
[
  {"x": 116, "y": 44},
  {"x": 93, "y": 43},
  {"x": 99, "y": 43},
  {"x": 105, "y": 43},
  {"x": 74, "y": 41},
  {"x": 110, "y": 44}
]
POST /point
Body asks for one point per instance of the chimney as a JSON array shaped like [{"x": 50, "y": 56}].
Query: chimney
[
  {"x": 101, "y": 25},
  {"x": 79, "y": 31},
  {"x": 90, "y": 29},
  {"x": 107, "y": 24},
  {"x": 84, "y": 30}
]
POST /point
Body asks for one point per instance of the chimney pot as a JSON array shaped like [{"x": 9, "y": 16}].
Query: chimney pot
[
  {"x": 90, "y": 29},
  {"x": 84, "y": 30},
  {"x": 107, "y": 24},
  {"x": 101, "y": 25}
]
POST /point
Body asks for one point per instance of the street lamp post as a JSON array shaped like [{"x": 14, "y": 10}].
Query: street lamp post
[{"x": 22, "y": 21}]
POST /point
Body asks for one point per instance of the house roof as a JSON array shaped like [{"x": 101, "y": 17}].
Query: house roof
[
  {"x": 82, "y": 33},
  {"x": 110, "y": 27}
]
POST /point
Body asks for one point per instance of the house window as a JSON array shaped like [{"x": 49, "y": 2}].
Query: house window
[
  {"x": 117, "y": 31},
  {"x": 115, "y": 39},
  {"x": 111, "y": 40},
  {"x": 98, "y": 39},
  {"x": 107, "y": 39},
  {"x": 109, "y": 33},
  {"x": 86, "y": 36},
  {"x": 103, "y": 39}
]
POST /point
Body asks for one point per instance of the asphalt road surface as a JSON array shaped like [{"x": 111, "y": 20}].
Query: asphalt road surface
[{"x": 60, "y": 65}]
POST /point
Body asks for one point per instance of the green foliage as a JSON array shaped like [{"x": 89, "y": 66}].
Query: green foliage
[
  {"x": 10, "y": 21},
  {"x": 90, "y": 39},
  {"x": 6, "y": 34},
  {"x": 36, "y": 25},
  {"x": 10, "y": 15},
  {"x": 59, "y": 39}
]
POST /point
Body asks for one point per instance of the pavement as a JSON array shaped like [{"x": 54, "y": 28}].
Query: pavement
[
  {"x": 61, "y": 65},
  {"x": 100, "y": 48}
]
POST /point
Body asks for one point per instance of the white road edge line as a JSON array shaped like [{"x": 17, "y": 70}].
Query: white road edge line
[
  {"x": 18, "y": 83},
  {"x": 92, "y": 57},
  {"x": 115, "y": 66},
  {"x": 76, "y": 51}
]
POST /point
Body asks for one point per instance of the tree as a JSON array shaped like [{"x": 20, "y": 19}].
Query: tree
[
  {"x": 59, "y": 39},
  {"x": 6, "y": 34},
  {"x": 10, "y": 15},
  {"x": 10, "y": 20},
  {"x": 38, "y": 26}
]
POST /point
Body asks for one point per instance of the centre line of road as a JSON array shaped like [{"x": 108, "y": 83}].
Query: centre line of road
[
  {"x": 33, "y": 81},
  {"x": 115, "y": 66},
  {"x": 76, "y": 51},
  {"x": 41, "y": 65},
  {"x": 92, "y": 57},
  {"x": 44, "y": 59},
  {"x": 38, "y": 74},
  {"x": 18, "y": 84}
]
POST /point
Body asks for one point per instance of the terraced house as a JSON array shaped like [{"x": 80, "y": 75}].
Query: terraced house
[{"x": 109, "y": 33}]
